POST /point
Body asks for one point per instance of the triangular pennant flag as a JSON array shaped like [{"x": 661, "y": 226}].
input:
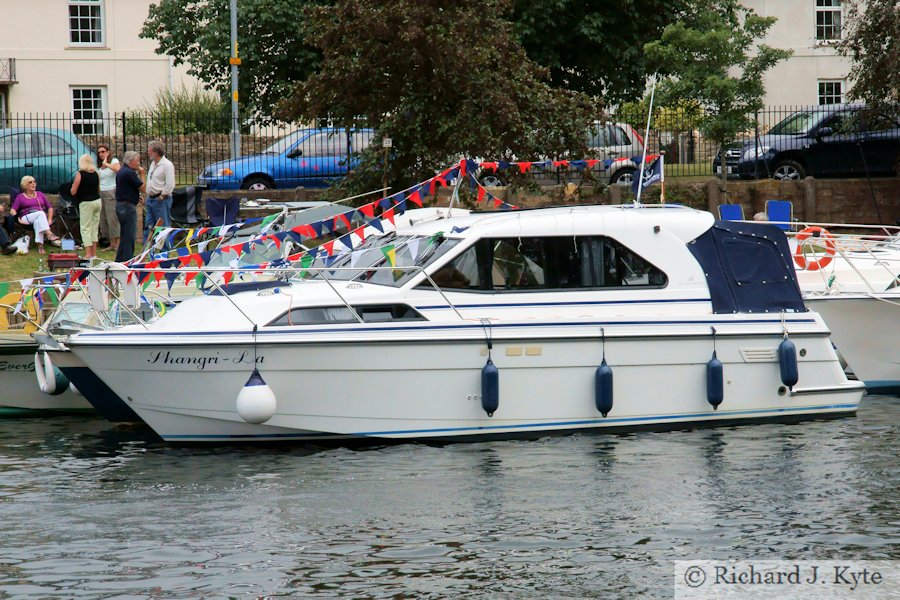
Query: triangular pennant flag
[
  {"x": 389, "y": 215},
  {"x": 329, "y": 247},
  {"x": 354, "y": 256},
  {"x": 376, "y": 223},
  {"x": 368, "y": 209},
  {"x": 413, "y": 247},
  {"x": 416, "y": 198},
  {"x": 390, "y": 253},
  {"x": 360, "y": 232}
]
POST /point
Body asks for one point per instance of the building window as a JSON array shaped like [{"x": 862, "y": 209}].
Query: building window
[
  {"x": 828, "y": 20},
  {"x": 831, "y": 92},
  {"x": 86, "y": 22},
  {"x": 87, "y": 110}
]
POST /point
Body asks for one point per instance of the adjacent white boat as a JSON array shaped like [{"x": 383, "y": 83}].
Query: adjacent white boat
[
  {"x": 19, "y": 386},
  {"x": 858, "y": 294},
  {"x": 394, "y": 340}
]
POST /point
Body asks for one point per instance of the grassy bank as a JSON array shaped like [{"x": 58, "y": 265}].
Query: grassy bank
[{"x": 15, "y": 266}]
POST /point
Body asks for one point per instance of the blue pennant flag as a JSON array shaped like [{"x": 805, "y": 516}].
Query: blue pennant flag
[
  {"x": 376, "y": 223},
  {"x": 652, "y": 174}
]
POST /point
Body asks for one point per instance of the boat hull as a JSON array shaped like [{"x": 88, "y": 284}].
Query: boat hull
[
  {"x": 19, "y": 387},
  {"x": 431, "y": 388},
  {"x": 865, "y": 329},
  {"x": 104, "y": 400}
]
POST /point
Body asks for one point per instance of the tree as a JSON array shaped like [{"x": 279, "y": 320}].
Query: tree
[
  {"x": 442, "y": 80},
  {"x": 872, "y": 41},
  {"x": 271, "y": 44},
  {"x": 596, "y": 48},
  {"x": 707, "y": 57}
]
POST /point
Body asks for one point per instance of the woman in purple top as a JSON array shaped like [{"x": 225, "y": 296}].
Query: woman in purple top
[{"x": 31, "y": 207}]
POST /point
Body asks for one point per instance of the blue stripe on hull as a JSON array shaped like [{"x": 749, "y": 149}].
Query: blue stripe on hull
[{"x": 542, "y": 428}]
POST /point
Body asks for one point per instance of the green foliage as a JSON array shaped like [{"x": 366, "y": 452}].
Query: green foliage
[
  {"x": 872, "y": 41},
  {"x": 271, "y": 44},
  {"x": 180, "y": 112},
  {"x": 684, "y": 115},
  {"x": 438, "y": 81},
  {"x": 709, "y": 57},
  {"x": 594, "y": 47}
]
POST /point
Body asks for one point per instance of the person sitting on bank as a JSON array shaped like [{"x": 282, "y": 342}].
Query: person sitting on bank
[
  {"x": 5, "y": 246},
  {"x": 31, "y": 207}
]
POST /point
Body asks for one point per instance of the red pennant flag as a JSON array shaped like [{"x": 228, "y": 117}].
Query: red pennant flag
[
  {"x": 361, "y": 232},
  {"x": 389, "y": 215},
  {"x": 184, "y": 260},
  {"x": 368, "y": 210},
  {"x": 294, "y": 257},
  {"x": 415, "y": 198},
  {"x": 130, "y": 276},
  {"x": 329, "y": 247},
  {"x": 305, "y": 230},
  {"x": 188, "y": 277},
  {"x": 497, "y": 202},
  {"x": 591, "y": 162},
  {"x": 228, "y": 276},
  {"x": 277, "y": 241},
  {"x": 432, "y": 186},
  {"x": 560, "y": 163},
  {"x": 462, "y": 168},
  {"x": 489, "y": 166},
  {"x": 197, "y": 259},
  {"x": 343, "y": 218},
  {"x": 481, "y": 194},
  {"x": 524, "y": 166}
]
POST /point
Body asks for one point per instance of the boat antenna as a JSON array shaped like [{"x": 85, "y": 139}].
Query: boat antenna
[{"x": 637, "y": 199}]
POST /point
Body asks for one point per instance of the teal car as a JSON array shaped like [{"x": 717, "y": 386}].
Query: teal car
[{"x": 49, "y": 155}]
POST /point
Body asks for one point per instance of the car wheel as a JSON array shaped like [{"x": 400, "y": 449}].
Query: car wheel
[
  {"x": 787, "y": 170},
  {"x": 624, "y": 176},
  {"x": 257, "y": 183}
]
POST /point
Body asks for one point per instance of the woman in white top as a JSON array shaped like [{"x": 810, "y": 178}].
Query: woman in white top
[{"x": 108, "y": 166}]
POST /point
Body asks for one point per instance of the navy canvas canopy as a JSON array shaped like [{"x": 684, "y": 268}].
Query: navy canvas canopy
[{"x": 748, "y": 268}]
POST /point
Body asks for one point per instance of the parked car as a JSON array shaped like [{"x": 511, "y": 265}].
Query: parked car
[
  {"x": 830, "y": 140},
  {"x": 306, "y": 157},
  {"x": 616, "y": 141},
  {"x": 49, "y": 155}
]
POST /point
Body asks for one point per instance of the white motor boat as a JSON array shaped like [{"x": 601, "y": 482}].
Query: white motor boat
[
  {"x": 26, "y": 381},
  {"x": 855, "y": 285},
  {"x": 492, "y": 325}
]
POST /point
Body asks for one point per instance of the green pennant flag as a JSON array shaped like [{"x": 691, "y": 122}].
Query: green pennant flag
[
  {"x": 4, "y": 288},
  {"x": 269, "y": 219},
  {"x": 52, "y": 294},
  {"x": 305, "y": 262},
  {"x": 390, "y": 253}
]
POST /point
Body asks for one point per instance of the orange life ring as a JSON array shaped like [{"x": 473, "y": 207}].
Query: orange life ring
[{"x": 818, "y": 263}]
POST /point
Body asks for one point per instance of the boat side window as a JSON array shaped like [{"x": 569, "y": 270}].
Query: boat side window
[
  {"x": 318, "y": 315},
  {"x": 546, "y": 264}
]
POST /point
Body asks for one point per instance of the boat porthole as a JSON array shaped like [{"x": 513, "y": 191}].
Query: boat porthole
[
  {"x": 802, "y": 351},
  {"x": 782, "y": 390}
]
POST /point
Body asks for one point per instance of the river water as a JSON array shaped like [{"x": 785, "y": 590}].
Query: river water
[{"x": 92, "y": 510}]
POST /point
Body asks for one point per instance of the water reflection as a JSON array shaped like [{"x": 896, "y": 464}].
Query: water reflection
[{"x": 95, "y": 510}]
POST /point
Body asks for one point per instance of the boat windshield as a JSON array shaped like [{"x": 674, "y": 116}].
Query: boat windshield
[
  {"x": 799, "y": 122},
  {"x": 388, "y": 260}
]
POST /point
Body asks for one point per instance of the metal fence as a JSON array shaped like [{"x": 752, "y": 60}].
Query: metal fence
[{"x": 48, "y": 145}]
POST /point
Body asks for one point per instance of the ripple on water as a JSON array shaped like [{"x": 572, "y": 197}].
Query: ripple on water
[{"x": 92, "y": 510}]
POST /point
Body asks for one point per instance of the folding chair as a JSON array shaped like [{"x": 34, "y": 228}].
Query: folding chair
[
  {"x": 781, "y": 212},
  {"x": 222, "y": 211},
  {"x": 731, "y": 212},
  {"x": 186, "y": 205}
]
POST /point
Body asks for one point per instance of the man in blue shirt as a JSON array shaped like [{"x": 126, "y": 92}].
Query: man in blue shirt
[{"x": 129, "y": 185}]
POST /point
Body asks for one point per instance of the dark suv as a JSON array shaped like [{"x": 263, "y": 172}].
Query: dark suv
[{"x": 831, "y": 140}]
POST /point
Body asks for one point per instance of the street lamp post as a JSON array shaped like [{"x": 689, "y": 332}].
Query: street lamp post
[{"x": 234, "y": 61}]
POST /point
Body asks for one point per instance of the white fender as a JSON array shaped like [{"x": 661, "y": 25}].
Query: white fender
[
  {"x": 49, "y": 378},
  {"x": 97, "y": 293},
  {"x": 129, "y": 293}
]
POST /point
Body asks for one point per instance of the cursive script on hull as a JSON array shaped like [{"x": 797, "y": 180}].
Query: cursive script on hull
[
  {"x": 11, "y": 367},
  {"x": 201, "y": 362}
]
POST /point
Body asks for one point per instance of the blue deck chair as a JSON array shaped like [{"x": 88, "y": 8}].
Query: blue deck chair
[
  {"x": 731, "y": 212},
  {"x": 781, "y": 211},
  {"x": 222, "y": 211}
]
